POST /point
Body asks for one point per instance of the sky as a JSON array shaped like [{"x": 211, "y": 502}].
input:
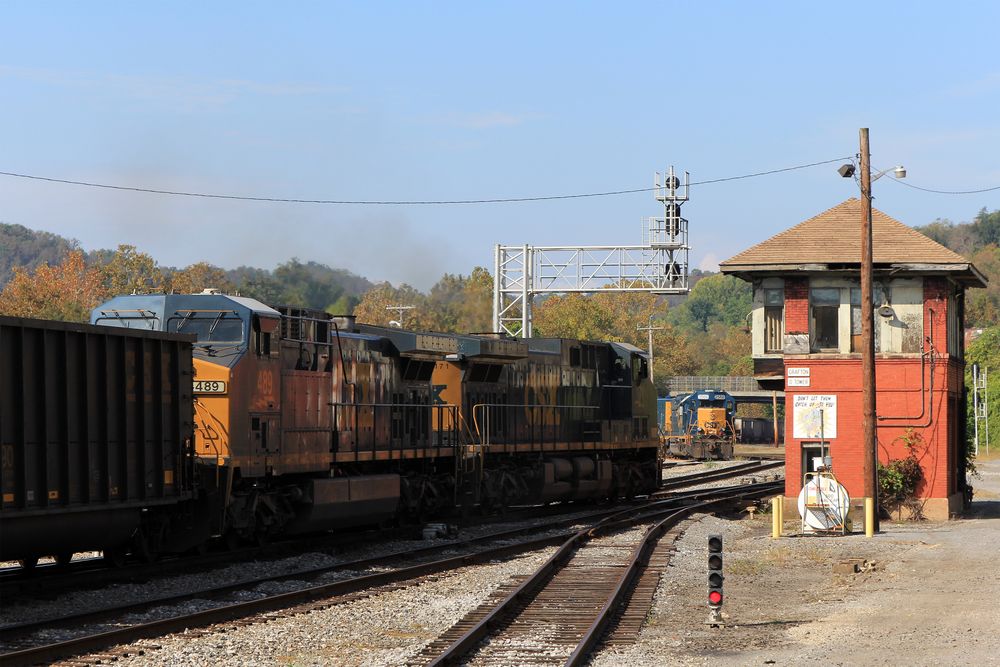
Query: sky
[{"x": 431, "y": 101}]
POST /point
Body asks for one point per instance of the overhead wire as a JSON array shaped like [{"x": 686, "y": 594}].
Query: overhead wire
[
  {"x": 946, "y": 192},
  {"x": 445, "y": 202},
  {"x": 377, "y": 202}
]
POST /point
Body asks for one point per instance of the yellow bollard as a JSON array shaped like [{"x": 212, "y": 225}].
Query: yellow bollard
[
  {"x": 777, "y": 507},
  {"x": 869, "y": 517}
]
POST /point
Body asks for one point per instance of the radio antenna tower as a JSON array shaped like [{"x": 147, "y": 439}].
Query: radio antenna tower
[{"x": 659, "y": 266}]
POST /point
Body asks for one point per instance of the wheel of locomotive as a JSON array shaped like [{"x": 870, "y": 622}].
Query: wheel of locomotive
[{"x": 28, "y": 564}]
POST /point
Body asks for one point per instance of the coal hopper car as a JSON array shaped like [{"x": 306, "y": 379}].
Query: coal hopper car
[{"x": 96, "y": 430}]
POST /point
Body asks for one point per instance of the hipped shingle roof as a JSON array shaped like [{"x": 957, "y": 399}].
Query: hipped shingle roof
[{"x": 834, "y": 238}]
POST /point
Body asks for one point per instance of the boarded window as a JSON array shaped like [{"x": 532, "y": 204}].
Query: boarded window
[
  {"x": 855, "y": 319},
  {"x": 774, "y": 319}
]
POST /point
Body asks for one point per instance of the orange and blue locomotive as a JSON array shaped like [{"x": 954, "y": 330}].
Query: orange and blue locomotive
[
  {"x": 698, "y": 425},
  {"x": 292, "y": 420}
]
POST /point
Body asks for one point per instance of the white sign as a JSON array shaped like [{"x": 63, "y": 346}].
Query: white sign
[
  {"x": 209, "y": 387},
  {"x": 798, "y": 372},
  {"x": 798, "y": 382},
  {"x": 806, "y": 416}
]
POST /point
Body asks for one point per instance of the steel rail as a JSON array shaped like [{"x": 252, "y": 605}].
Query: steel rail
[
  {"x": 228, "y": 612},
  {"x": 640, "y": 559},
  {"x": 530, "y": 587},
  {"x": 713, "y": 475}
]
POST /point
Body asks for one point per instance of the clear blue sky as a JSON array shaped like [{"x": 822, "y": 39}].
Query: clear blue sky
[{"x": 471, "y": 100}]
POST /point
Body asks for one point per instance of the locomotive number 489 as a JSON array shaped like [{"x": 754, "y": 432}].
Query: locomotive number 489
[{"x": 209, "y": 387}]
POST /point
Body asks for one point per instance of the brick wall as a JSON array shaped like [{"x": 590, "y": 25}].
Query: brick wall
[
  {"x": 899, "y": 394},
  {"x": 936, "y": 299},
  {"x": 796, "y": 305}
]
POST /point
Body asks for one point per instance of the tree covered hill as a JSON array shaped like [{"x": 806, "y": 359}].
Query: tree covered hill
[
  {"x": 25, "y": 252},
  {"x": 979, "y": 242},
  {"x": 27, "y": 248}
]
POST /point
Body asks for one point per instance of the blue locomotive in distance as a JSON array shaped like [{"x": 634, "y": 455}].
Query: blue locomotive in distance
[{"x": 698, "y": 425}]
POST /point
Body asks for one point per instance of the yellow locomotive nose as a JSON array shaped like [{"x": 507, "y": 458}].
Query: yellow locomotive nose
[
  {"x": 712, "y": 421},
  {"x": 212, "y": 384}
]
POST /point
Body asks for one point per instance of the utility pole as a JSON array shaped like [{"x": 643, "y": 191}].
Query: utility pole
[
  {"x": 650, "y": 328},
  {"x": 869, "y": 436},
  {"x": 399, "y": 314}
]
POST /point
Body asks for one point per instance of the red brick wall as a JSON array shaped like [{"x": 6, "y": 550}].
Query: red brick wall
[
  {"x": 898, "y": 383},
  {"x": 936, "y": 299},
  {"x": 796, "y": 305}
]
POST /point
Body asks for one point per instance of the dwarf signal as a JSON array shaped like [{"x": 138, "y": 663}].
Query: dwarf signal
[{"x": 715, "y": 579}]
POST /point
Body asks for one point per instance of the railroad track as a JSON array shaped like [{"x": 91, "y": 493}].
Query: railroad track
[
  {"x": 103, "y": 628},
  {"x": 560, "y": 613},
  {"x": 728, "y": 472},
  {"x": 51, "y": 579}
]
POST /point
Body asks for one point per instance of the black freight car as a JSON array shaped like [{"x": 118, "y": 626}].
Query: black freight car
[{"x": 95, "y": 431}]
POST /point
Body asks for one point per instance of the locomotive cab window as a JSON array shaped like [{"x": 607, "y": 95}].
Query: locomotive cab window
[
  {"x": 211, "y": 326},
  {"x": 640, "y": 369},
  {"x": 264, "y": 329}
]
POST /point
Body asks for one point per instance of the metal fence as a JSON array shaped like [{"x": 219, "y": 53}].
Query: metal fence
[{"x": 684, "y": 384}]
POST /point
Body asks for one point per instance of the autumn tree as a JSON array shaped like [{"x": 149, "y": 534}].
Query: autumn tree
[
  {"x": 67, "y": 291},
  {"x": 456, "y": 304},
  {"x": 983, "y": 305},
  {"x": 372, "y": 308},
  {"x": 129, "y": 271},
  {"x": 475, "y": 306},
  {"x": 199, "y": 277}
]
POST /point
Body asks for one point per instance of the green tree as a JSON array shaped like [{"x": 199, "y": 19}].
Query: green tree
[
  {"x": 718, "y": 298},
  {"x": 987, "y": 227},
  {"x": 985, "y": 351},
  {"x": 129, "y": 271}
]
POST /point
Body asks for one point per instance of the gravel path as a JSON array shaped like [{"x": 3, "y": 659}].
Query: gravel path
[{"x": 784, "y": 605}]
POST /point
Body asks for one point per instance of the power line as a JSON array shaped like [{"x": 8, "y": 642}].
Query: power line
[
  {"x": 369, "y": 202},
  {"x": 946, "y": 192}
]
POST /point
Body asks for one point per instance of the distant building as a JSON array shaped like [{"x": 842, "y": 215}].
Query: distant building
[{"x": 807, "y": 337}]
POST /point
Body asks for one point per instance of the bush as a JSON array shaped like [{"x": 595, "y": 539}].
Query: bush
[{"x": 899, "y": 479}]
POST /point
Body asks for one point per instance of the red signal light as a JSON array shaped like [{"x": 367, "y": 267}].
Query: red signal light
[{"x": 715, "y": 597}]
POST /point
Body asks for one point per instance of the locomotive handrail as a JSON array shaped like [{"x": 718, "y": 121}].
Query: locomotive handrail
[
  {"x": 424, "y": 433},
  {"x": 486, "y": 414}
]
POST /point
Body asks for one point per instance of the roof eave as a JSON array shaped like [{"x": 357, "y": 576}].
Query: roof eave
[{"x": 965, "y": 273}]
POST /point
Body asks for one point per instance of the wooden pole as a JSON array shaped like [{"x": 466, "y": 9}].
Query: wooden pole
[
  {"x": 774, "y": 412},
  {"x": 869, "y": 440}
]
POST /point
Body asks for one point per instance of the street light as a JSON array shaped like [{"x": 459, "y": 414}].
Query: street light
[{"x": 869, "y": 437}]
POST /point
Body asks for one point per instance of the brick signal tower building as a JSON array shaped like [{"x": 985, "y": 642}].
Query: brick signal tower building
[{"x": 807, "y": 342}]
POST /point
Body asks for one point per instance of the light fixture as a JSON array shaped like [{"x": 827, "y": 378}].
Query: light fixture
[
  {"x": 848, "y": 170},
  {"x": 899, "y": 172}
]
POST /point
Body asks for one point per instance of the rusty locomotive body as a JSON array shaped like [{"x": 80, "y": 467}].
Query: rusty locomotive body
[{"x": 296, "y": 421}]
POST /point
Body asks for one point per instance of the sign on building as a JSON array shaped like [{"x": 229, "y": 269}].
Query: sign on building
[{"x": 806, "y": 419}]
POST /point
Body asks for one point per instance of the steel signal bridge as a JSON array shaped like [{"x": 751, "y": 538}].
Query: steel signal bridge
[{"x": 659, "y": 266}]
